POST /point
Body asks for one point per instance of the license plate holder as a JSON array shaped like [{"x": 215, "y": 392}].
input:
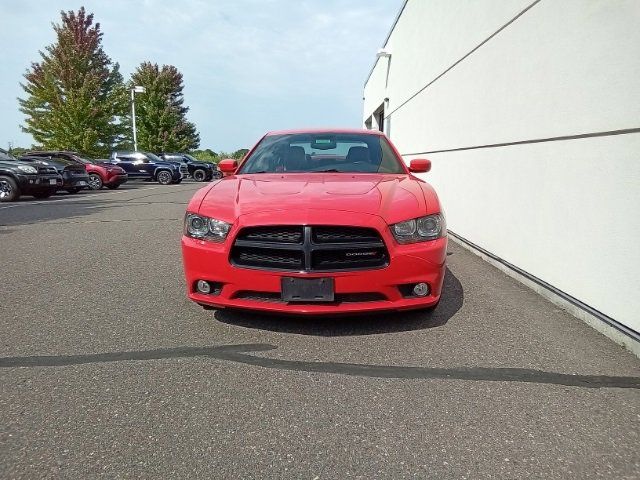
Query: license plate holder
[{"x": 307, "y": 289}]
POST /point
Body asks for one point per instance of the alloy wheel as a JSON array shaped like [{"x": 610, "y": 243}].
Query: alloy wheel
[
  {"x": 95, "y": 182},
  {"x": 164, "y": 178},
  {"x": 5, "y": 189}
]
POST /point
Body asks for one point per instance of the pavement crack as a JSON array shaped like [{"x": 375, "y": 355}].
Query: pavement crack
[{"x": 239, "y": 354}]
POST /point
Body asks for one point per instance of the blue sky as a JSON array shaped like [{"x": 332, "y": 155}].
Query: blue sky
[{"x": 249, "y": 65}]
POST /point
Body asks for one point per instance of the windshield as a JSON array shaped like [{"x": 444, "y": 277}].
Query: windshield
[
  {"x": 6, "y": 156},
  {"x": 153, "y": 157},
  {"x": 48, "y": 160},
  {"x": 322, "y": 152}
]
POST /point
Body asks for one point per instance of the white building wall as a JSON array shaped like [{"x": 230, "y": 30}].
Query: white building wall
[{"x": 566, "y": 210}]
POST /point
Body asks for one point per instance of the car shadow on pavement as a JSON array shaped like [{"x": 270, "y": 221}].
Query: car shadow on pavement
[{"x": 351, "y": 325}]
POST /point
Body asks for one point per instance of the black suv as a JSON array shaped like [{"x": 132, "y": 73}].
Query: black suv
[
  {"x": 196, "y": 169},
  {"x": 74, "y": 175},
  {"x": 21, "y": 178},
  {"x": 147, "y": 166}
]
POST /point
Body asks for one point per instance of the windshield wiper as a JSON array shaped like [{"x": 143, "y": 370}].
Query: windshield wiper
[{"x": 328, "y": 170}]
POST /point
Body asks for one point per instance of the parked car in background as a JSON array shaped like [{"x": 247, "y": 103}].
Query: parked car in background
[
  {"x": 21, "y": 178},
  {"x": 100, "y": 173},
  {"x": 147, "y": 166},
  {"x": 74, "y": 174},
  {"x": 196, "y": 169}
]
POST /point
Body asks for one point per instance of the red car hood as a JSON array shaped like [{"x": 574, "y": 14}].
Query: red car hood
[{"x": 392, "y": 197}]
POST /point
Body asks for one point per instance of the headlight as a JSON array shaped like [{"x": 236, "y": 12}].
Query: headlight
[
  {"x": 420, "y": 229},
  {"x": 27, "y": 169},
  {"x": 205, "y": 228}
]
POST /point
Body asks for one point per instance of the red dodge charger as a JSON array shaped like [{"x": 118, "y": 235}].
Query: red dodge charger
[{"x": 317, "y": 222}]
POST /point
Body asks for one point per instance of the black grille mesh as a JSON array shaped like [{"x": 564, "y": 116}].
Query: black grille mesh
[
  {"x": 273, "y": 234},
  {"x": 340, "y": 259},
  {"x": 274, "y": 297},
  {"x": 267, "y": 258},
  {"x": 344, "y": 235},
  {"x": 47, "y": 170}
]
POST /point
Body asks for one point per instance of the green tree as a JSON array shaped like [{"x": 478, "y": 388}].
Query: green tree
[
  {"x": 74, "y": 94},
  {"x": 206, "y": 155},
  {"x": 161, "y": 120},
  {"x": 18, "y": 151},
  {"x": 239, "y": 154}
]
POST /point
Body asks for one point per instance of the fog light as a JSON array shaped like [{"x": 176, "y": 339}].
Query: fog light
[
  {"x": 203, "y": 287},
  {"x": 421, "y": 289}
]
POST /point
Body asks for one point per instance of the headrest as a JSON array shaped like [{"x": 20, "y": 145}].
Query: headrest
[
  {"x": 296, "y": 154},
  {"x": 358, "y": 154},
  {"x": 296, "y": 158}
]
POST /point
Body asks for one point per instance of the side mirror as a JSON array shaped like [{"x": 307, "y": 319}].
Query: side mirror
[
  {"x": 419, "y": 165},
  {"x": 228, "y": 166}
]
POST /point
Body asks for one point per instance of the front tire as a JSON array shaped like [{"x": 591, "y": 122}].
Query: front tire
[
  {"x": 199, "y": 175},
  {"x": 164, "y": 177},
  {"x": 95, "y": 182},
  {"x": 9, "y": 191}
]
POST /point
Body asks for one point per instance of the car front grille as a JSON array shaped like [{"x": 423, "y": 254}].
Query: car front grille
[
  {"x": 47, "y": 170},
  {"x": 309, "y": 248}
]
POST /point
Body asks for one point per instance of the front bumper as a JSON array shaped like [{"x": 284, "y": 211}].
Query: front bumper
[
  {"x": 408, "y": 264},
  {"x": 116, "y": 178},
  {"x": 74, "y": 180},
  {"x": 38, "y": 182}
]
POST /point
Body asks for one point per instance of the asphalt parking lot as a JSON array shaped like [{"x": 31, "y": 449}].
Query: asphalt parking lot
[{"x": 107, "y": 369}]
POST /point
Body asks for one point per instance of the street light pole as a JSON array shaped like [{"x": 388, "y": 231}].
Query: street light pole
[{"x": 134, "y": 90}]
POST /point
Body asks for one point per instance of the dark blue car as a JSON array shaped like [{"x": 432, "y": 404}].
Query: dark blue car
[{"x": 147, "y": 166}]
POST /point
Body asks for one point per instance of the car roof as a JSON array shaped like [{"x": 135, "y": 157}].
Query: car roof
[
  {"x": 51, "y": 152},
  {"x": 359, "y": 131},
  {"x": 29, "y": 157}
]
